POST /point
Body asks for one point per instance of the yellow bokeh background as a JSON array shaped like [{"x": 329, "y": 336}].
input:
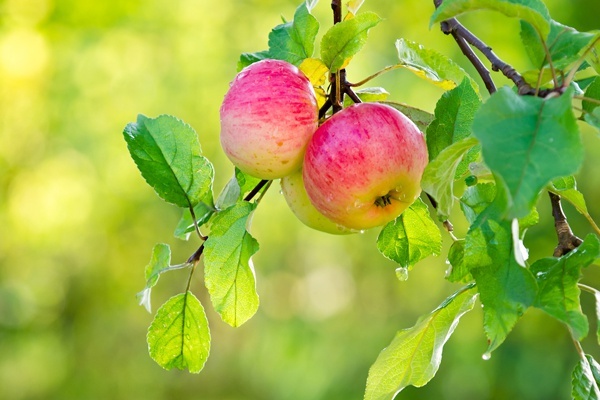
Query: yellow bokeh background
[{"x": 77, "y": 221}]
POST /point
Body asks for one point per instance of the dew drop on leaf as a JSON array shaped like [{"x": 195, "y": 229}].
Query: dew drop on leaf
[
  {"x": 486, "y": 356},
  {"x": 402, "y": 274}
]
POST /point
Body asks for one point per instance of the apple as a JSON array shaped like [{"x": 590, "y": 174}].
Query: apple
[
  {"x": 267, "y": 118},
  {"x": 292, "y": 187},
  {"x": 363, "y": 166}
]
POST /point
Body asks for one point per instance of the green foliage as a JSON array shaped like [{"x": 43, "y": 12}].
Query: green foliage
[
  {"x": 179, "y": 336},
  {"x": 415, "y": 354},
  {"x": 532, "y": 11},
  {"x": 438, "y": 178},
  {"x": 431, "y": 65},
  {"x": 421, "y": 118},
  {"x": 229, "y": 275},
  {"x": 186, "y": 225},
  {"x": 458, "y": 271},
  {"x": 342, "y": 41},
  {"x": 586, "y": 379},
  {"x": 521, "y": 139},
  {"x": 411, "y": 237},
  {"x": 159, "y": 263},
  {"x": 558, "y": 294},
  {"x": 506, "y": 288},
  {"x": 167, "y": 153}
]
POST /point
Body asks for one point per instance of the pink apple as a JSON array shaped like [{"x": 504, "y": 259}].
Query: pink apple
[
  {"x": 267, "y": 117},
  {"x": 363, "y": 166},
  {"x": 292, "y": 187}
]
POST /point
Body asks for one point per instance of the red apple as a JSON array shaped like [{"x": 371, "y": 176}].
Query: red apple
[
  {"x": 363, "y": 166},
  {"x": 292, "y": 187},
  {"x": 267, "y": 117}
]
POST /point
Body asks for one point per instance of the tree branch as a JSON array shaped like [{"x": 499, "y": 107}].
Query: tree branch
[{"x": 567, "y": 241}]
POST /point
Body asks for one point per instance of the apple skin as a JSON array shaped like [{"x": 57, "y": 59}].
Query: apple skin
[
  {"x": 267, "y": 118},
  {"x": 292, "y": 187},
  {"x": 363, "y": 166}
]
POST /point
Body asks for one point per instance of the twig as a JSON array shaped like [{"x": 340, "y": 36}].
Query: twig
[{"x": 567, "y": 241}]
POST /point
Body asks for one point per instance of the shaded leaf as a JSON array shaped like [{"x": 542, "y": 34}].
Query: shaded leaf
[
  {"x": 592, "y": 92},
  {"x": 522, "y": 137},
  {"x": 185, "y": 226},
  {"x": 415, "y": 354},
  {"x": 476, "y": 199},
  {"x": 454, "y": 114},
  {"x": 438, "y": 177},
  {"x": 345, "y": 39},
  {"x": 247, "y": 59},
  {"x": 431, "y": 65},
  {"x": 532, "y": 11},
  {"x": 458, "y": 271},
  {"x": 421, "y": 118},
  {"x": 506, "y": 289},
  {"x": 593, "y": 118},
  {"x": 368, "y": 95},
  {"x": 586, "y": 380},
  {"x": 558, "y": 293},
  {"x": 167, "y": 152},
  {"x": 411, "y": 237},
  {"x": 179, "y": 336},
  {"x": 566, "y": 188},
  {"x": 228, "y": 270}
]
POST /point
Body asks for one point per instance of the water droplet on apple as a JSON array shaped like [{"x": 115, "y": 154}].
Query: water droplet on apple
[
  {"x": 486, "y": 356},
  {"x": 402, "y": 274}
]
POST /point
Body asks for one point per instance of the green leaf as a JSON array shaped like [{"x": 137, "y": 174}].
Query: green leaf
[
  {"x": 185, "y": 226},
  {"x": 454, "y": 114},
  {"x": 458, "y": 271},
  {"x": 414, "y": 355},
  {"x": 522, "y": 137},
  {"x": 438, "y": 177},
  {"x": 476, "y": 199},
  {"x": 368, "y": 95},
  {"x": 421, "y": 118},
  {"x": 294, "y": 41},
  {"x": 565, "y": 44},
  {"x": 593, "y": 118},
  {"x": 506, "y": 288},
  {"x": 345, "y": 39},
  {"x": 411, "y": 237},
  {"x": 247, "y": 59},
  {"x": 228, "y": 271},
  {"x": 557, "y": 279},
  {"x": 586, "y": 380},
  {"x": 246, "y": 182},
  {"x": 592, "y": 92},
  {"x": 566, "y": 188},
  {"x": 431, "y": 65},
  {"x": 532, "y": 11},
  {"x": 179, "y": 336},
  {"x": 167, "y": 153}
]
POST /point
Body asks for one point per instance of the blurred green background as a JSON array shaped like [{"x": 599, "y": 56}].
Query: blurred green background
[{"x": 77, "y": 221}]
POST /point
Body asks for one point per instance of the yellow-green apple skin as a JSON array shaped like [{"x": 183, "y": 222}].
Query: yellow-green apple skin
[
  {"x": 267, "y": 117},
  {"x": 363, "y": 166},
  {"x": 292, "y": 187}
]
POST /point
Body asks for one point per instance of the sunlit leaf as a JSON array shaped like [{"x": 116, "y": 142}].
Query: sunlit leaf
[
  {"x": 566, "y": 188},
  {"x": 315, "y": 70},
  {"x": 415, "y": 354},
  {"x": 411, "y": 237},
  {"x": 247, "y": 59},
  {"x": 167, "y": 153},
  {"x": 438, "y": 177},
  {"x": 522, "y": 137},
  {"x": 179, "y": 336},
  {"x": 586, "y": 380},
  {"x": 476, "y": 199},
  {"x": 354, "y": 5},
  {"x": 160, "y": 261},
  {"x": 294, "y": 41},
  {"x": 564, "y": 44},
  {"x": 558, "y": 293},
  {"x": 532, "y": 11},
  {"x": 345, "y": 39},
  {"x": 368, "y": 95},
  {"x": 506, "y": 288},
  {"x": 228, "y": 270},
  {"x": 431, "y": 65}
]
